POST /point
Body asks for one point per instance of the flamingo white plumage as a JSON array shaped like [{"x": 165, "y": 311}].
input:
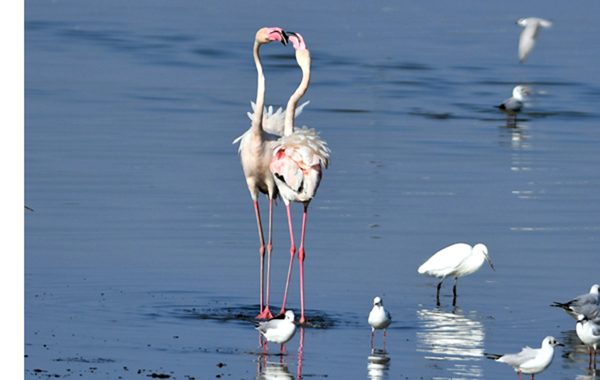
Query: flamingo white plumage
[
  {"x": 589, "y": 333},
  {"x": 527, "y": 39},
  {"x": 297, "y": 163},
  {"x": 456, "y": 260},
  {"x": 256, "y": 150}
]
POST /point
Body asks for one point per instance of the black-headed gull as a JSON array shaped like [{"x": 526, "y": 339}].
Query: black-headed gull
[
  {"x": 527, "y": 39},
  {"x": 456, "y": 260},
  {"x": 587, "y": 304},
  {"x": 379, "y": 319},
  {"x": 278, "y": 330},
  {"x": 530, "y": 361},
  {"x": 589, "y": 333},
  {"x": 513, "y": 105}
]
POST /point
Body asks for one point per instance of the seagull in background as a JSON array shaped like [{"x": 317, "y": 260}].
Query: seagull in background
[
  {"x": 513, "y": 106},
  {"x": 587, "y": 304},
  {"x": 527, "y": 39}
]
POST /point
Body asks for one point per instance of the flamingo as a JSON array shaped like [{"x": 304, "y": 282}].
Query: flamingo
[
  {"x": 297, "y": 163},
  {"x": 256, "y": 150}
]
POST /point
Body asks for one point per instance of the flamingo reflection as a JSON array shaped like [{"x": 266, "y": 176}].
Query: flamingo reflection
[{"x": 452, "y": 337}]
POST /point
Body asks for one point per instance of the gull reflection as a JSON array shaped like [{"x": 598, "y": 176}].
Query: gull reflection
[
  {"x": 452, "y": 337},
  {"x": 378, "y": 365},
  {"x": 271, "y": 370}
]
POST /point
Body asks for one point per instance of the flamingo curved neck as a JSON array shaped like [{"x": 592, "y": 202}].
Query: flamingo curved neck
[
  {"x": 290, "y": 110},
  {"x": 260, "y": 91}
]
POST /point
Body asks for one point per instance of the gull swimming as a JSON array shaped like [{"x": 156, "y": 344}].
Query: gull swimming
[
  {"x": 527, "y": 39},
  {"x": 379, "y": 319},
  {"x": 456, "y": 260},
  {"x": 587, "y": 304},
  {"x": 513, "y": 105},
  {"x": 277, "y": 330},
  {"x": 530, "y": 361}
]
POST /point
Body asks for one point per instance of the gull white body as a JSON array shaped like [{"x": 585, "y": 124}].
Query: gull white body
[
  {"x": 587, "y": 304},
  {"x": 379, "y": 319},
  {"x": 589, "y": 333},
  {"x": 530, "y": 361},
  {"x": 456, "y": 260},
  {"x": 279, "y": 331},
  {"x": 527, "y": 40}
]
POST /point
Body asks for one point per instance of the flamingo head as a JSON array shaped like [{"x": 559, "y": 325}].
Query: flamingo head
[
  {"x": 297, "y": 40},
  {"x": 266, "y": 35}
]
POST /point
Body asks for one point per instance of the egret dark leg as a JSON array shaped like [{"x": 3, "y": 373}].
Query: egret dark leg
[
  {"x": 438, "y": 291},
  {"x": 454, "y": 290}
]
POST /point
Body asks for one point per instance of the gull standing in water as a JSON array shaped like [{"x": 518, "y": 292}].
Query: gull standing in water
[
  {"x": 379, "y": 319},
  {"x": 456, "y": 260},
  {"x": 278, "y": 330},
  {"x": 530, "y": 361},
  {"x": 589, "y": 333},
  {"x": 513, "y": 105},
  {"x": 587, "y": 304},
  {"x": 527, "y": 40}
]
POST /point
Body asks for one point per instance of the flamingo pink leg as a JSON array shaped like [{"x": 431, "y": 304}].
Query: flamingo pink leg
[
  {"x": 301, "y": 256},
  {"x": 292, "y": 253},
  {"x": 265, "y": 313}
]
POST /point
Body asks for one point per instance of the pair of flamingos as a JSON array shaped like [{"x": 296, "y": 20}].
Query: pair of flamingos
[{"x": 279, "y": 159}]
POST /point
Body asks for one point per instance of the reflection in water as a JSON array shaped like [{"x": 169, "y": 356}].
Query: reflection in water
[
  {"x": 577, "y": 355},
  {"x": 270, "y": 370},
  {"x": 453, "y": 337},
  {"x": 378, "y": 365},
  {"x": 517, "y": 138}
]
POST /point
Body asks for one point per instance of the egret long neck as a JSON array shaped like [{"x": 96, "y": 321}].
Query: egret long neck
[
  {"x": 290, "y": 111},
  {"x": 260, "y": 92}
]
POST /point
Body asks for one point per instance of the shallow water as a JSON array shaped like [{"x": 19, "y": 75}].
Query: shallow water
[{"x": 142, "y": 256}]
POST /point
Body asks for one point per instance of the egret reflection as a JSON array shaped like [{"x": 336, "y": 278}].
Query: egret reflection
[
  {"x": 378, "y": 365},
  {"x": 452, "y": 337}
]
